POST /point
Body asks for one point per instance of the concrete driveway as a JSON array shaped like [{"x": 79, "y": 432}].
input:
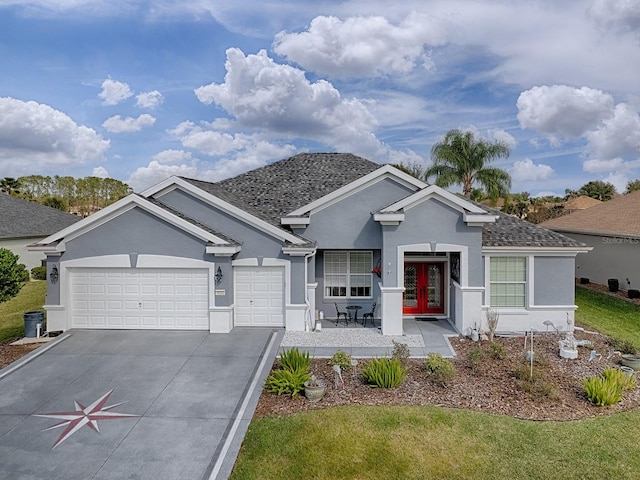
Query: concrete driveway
[{"x": 132, "y": 404}]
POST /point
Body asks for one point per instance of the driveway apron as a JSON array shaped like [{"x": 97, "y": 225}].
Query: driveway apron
[{"x": 132, "y": 404}]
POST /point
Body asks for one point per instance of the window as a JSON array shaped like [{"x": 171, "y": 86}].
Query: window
[
  {"x": 347, "y": 274},
  {"x": 508, "y": 281}
]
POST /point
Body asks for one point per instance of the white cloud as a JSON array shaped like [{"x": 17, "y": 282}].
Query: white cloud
[
  {"x": 149, "y": 99},
  {"x": 35, "y": 136},
  {"x": 117, "y": 124},
  {"x": 114, "y": 92},
  {"x": 172, "y": 156},
  {"x": 278, "y": 99},
  {"x": 361, "y": 46},
  {"x": 504, "y": 137},
  {"x": 155, "y": 172},
  {"x": 100, "y": 172},
  {"x": 596, "y": 165},
  {"x": 559, "y": 112},
  {"x": 619, "y": 180},
  {"x": 618, "y": 14},
  {"x": 616, "y": 136},
  {"x": 526, "y": 170}
]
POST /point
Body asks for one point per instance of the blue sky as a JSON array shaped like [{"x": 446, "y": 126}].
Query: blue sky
[{"x": 140, "y": 90}]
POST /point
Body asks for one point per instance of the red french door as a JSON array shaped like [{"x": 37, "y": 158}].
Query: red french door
[{"x": 423, "y": 288}]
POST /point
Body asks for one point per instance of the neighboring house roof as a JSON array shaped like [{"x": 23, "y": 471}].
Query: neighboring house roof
[
  {"x": 24, "y": 219},
  {"x": 581, "y": 202},
  {"x": 273, "y": 191},
  {"x": 618, "y": 216},
  {"x": 508, "y": 231}
]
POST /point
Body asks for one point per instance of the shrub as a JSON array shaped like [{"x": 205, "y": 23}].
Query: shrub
[
  {"x": 602, "y": 392},
  {"x": 400, "y": 352},
  {"x": 294, "y": 360},
  {"x": 624, "y": 346},
  {"x": 341, "y": 358},
  {"x": 626, "y": 382},
  {"x": 12, "y": 274},
  {"x": 475, "y": 356},
  {"x": 288, "y": 382},
  {"x": 497, "y": 350},
  {"x": 439, "y": 368},
  {"x": 534, "y": 384},
  {"x": 39, "y": 273},
  {"x": 384, "y": 372}
]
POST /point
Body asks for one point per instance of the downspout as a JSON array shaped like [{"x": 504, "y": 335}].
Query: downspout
[{"x": 309, "y": 324}]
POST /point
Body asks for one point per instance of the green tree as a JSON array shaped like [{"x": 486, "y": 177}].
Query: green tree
[
  {"x": 12, "y": 274},
  {"x": 414, "y": 169},
  {"x": 55, "y": 202},
  {"x": 598, "y": 189},
  {"x": 632, "y": 186},
  {"x": 462, "y": 159},
  {"x": 10, "y": 186}
]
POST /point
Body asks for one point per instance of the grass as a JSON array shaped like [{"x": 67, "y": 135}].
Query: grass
[
  {"x": 31, "y": 297},
  {"x": 608, "y": 315},
  {"x": 432, "y": 442}
]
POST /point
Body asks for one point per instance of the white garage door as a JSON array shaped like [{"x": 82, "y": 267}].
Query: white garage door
[
  {"x": 259, "y": 293},
  {"x": 149, "y": 298}
]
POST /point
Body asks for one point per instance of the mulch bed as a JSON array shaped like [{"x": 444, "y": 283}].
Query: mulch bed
[{"x": 486, "y": 385}]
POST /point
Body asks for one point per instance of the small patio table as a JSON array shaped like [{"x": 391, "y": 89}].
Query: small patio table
[{"x": 354, "y": 309}]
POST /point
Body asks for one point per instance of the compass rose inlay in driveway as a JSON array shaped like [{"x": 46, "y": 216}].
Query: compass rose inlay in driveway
[{"x": 82, "y": 416}]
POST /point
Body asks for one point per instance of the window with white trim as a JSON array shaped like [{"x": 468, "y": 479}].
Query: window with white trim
[
  {"x": 508, "y": 281},
  {"x": 348, "y": 274}
]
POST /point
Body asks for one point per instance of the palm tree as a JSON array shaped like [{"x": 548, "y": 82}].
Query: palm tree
[{"x": 462, "y": 159}]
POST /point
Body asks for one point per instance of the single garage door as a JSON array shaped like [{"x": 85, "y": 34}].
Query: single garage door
[
  {"x": 140, "y": 298},
  {"x": 259, "y": 293}
]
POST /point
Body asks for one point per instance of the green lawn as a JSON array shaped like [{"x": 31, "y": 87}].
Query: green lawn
[
  {"x": 31, "y": 297},
  {"x": 608, "y": 315},
  {"x": 432, "y": 442}
]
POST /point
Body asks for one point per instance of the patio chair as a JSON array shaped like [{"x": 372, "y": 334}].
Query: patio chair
[
  {"x": 342, "y": 313},
  {"x": 369, "y": 315}
]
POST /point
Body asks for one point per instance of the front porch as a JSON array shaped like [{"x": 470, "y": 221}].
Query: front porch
[{"x": 422, "y": 338}]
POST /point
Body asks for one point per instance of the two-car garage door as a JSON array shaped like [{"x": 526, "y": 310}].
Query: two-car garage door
[{"x": 149, "y": 298}]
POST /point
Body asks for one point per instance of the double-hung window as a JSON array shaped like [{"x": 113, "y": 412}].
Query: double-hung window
[
  {"x": 508, "y": 281},
  {"x": 347, "y": 274}
]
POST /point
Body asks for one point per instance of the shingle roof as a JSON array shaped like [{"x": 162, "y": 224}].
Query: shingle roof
[
  {"x": 508, "y": 231},
  {"x": 24, "y": 219},
  {"x": 273, "y": 191},
  {"x": 581, "y": 202},
  {"x": 281, "y": 187},
  {"x": 619, "y": 216}
]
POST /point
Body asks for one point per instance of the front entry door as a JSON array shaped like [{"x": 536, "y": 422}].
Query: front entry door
[{"x": 423, "y": 288}]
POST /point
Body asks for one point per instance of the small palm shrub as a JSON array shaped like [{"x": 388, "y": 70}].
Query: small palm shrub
[
  {"x": 287, "y": 382},
  {"x": 439, "y": 368},
  {"x": 384, "y": 372},
  {"x": 341, "y": 358},
  {"x": 401, "y": 352},
  {"x": 626, "y": 382},
  {"x": 602, "y": 392},
  {"x": 294, "y": 360}
]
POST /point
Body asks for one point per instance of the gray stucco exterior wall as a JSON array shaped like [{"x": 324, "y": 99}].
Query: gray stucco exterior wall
[
  {"x": 611, "y": 257},
  {"x": 554, "y": 281}
]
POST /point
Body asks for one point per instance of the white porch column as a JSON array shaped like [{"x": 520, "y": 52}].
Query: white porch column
[{"x": 391, "y": 310}]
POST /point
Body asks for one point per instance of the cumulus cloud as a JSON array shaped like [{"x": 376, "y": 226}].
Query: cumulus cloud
[
  {"x": 622, "y": 15},
  {"x": 155, "y": 172},
  {"x": 117, "y": 124},
  {"x": 172, "y": 156},
  {"x": 361, "y": 46},
  {"x": 595, "y": 165},
  {"x": 526, "y": 170},
  {"x": 504, "y": 137},
  {"x": 114, "y": 92},
  {"x": 149, "y": 99},
  {"x": 618, "y": 135},
  {"x": 100, "y": 172},
  {"x": 560, "y": 112},
  {"x": 279, "y": 99},
  {"x": 34, "y": 135}
]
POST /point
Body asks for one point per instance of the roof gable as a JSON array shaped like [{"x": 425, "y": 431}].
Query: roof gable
[
  {"x": 57, "y": 240},
  {"x": 23, "y": 219}
]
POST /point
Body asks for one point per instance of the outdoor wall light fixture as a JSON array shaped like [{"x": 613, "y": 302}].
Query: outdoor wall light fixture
[
  {"x": 54, "y": 275},
  {"x": 218, "y": 276}
]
